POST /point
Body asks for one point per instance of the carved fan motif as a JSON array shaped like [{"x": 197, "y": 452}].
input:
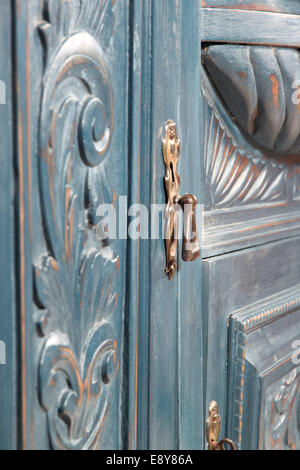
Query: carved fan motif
[
  {"x": 252, "y": 135},
  {"x": 75, "y": 278}
]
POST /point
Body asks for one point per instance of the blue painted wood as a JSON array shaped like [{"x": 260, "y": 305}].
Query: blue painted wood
[
  {"x": 261, "y": 286},
  {"x": 154, "y": 352},
  {"x": 136, "y": 424},
  {"x": 263, "y": 379},
  {"x": 8, "y": 330},
  {"x": 25, "y": 366}
]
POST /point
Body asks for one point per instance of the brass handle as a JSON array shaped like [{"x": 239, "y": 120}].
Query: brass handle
[
  {"x": 213, "y": 424},
  {"x": 188, "y": 203}
]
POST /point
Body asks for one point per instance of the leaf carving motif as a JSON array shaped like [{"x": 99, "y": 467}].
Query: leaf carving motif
[{"x": 75, "y": 276}]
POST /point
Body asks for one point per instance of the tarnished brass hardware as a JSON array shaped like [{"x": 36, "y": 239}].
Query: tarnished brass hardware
[
  {"x": 213, "y": 424},
  {"x": 188, "y": 202}
]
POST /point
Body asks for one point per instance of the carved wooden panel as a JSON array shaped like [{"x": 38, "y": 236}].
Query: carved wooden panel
[
  {"x": 76, "y": 134},
  {"x": 251, "y": 153},
  {"x": 281, "y": 414},
  {"x": 8, "y": 388}
]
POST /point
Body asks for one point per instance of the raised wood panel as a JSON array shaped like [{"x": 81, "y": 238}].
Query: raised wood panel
[
  {"x": 278, "y": 6},
  {"x": 72, "y": 118},
  {"x": 8, "y": 188},
  {"x": 261, "y": 305}
]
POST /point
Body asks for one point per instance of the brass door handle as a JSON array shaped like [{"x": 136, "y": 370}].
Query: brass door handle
[
  {"x": 213, "y": 424},
  {"x": 188, "y": 203}
]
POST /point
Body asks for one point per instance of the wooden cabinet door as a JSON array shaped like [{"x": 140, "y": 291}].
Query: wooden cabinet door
[{"x": 250, "y": 116}]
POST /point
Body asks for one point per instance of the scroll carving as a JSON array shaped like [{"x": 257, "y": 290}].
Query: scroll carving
[
  {"x": 258, "y": 85},
  {"x": 283, "y": 429},
  {"x": 75, "y": 274}
]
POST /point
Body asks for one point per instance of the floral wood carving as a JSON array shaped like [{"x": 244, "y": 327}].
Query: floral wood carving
[
  {"x": 235, "y": 175},
  {"x": 283, "y": 412},
  {"x": 75, "y": 278}
]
